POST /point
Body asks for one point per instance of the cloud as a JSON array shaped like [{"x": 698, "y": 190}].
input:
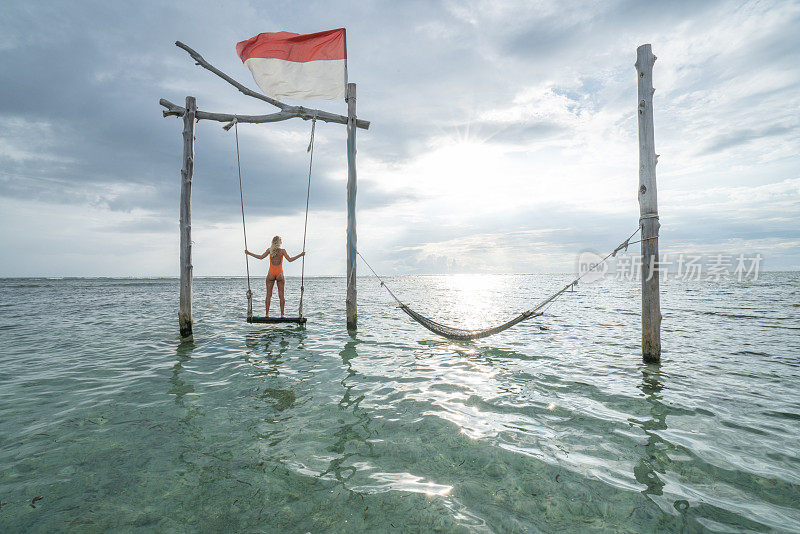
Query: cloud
[
  {"x": 742, "y": 136},
  {"x": 508, "y": 126}
]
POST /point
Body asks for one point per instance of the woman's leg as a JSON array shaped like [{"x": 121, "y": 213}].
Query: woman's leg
[
  {"x": 270, "y": 283},
  {"x": 281, "y": 282}
]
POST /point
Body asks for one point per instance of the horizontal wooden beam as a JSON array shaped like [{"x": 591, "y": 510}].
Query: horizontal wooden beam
[
  {"x": 178, "y": 111},
  {"x": 291, "y": 113},
  {"x": 294, "y": 111}
]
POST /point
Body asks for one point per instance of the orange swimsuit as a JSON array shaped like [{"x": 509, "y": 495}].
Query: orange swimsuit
[{"x": 275, "y": 270}]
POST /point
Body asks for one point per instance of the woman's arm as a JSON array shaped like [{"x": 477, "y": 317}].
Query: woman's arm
[
  {"x": 257, "y": 256},
  {"x": 290, "y": 258}
]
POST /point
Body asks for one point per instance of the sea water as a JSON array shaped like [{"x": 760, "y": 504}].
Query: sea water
[{"x": 108, "y": 422}]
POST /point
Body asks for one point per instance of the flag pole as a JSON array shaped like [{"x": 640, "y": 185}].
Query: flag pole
[{"x": 350, "y": 300}]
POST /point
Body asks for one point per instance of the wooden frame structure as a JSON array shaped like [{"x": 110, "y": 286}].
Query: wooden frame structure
[
  {"x": 191, "y": 115},
  {"x": 647, "y": 192}
]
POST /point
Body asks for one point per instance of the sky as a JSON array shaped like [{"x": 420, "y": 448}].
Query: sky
[{"x": 503, "y": 136}]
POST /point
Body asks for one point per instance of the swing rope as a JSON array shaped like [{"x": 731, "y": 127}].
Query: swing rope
[
  {"x": 244, "y": 227},
  {"x": 310, "y": 150}
]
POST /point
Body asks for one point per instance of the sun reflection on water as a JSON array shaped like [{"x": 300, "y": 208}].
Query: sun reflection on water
[
  {"x": 470, "y": 300},
  {"x": 405, "y": 482}
]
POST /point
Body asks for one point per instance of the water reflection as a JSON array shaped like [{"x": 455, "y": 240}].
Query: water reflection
[
  {"x": 179, "y": 386},
  {"x": 270, "y": 348},
  {"x": 268, "y": 351},
  {"x": 356, "y": 430},
  {"x": 654, "y": 458},
  {"x": 189, "y": 433},
  {"x": 474, "y": 352}
]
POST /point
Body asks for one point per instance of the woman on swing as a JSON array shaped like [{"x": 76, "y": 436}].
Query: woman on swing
[{"x": 275, "y": 273}]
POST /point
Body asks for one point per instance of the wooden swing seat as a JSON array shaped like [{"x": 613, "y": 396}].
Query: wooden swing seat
[{"x": 296, "y": 320}]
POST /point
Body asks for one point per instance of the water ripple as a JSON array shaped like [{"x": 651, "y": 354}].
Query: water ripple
[{"x": 553, "y": 425}]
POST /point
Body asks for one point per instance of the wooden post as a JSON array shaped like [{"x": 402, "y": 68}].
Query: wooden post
[
  {"x": 648, "y": 208},
  {"x": 185, "y": 312},
  {"x": 350, "y": 301}
]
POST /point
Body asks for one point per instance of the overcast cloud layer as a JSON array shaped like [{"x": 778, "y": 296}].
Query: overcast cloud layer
[{"x": 503, "y": 138}]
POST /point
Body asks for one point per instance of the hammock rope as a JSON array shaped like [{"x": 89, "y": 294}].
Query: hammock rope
[{"x": 450, "y": 332}]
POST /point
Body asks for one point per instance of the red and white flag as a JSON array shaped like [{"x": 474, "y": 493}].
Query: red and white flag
[{"x": 290, "y": 65}]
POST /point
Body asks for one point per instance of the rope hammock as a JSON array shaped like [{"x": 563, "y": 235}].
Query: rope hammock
[
  {"x": 310, "y": 150},
  {"x": 451, "y": 332}
]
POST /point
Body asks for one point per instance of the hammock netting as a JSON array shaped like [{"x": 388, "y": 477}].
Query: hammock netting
[{"x": 463, "y": 334}]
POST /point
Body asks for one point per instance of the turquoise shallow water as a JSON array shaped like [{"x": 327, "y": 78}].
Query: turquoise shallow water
[{"x": 554, "y": 425}]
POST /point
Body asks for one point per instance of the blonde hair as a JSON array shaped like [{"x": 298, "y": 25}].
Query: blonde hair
[{"x": 275, "y": 247}]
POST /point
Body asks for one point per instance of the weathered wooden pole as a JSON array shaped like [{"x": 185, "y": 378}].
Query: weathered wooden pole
[
  {"x": 350, "y": 300},
  {"x": 185, "y": 311},
  {"x": 648, "y": 208}
]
